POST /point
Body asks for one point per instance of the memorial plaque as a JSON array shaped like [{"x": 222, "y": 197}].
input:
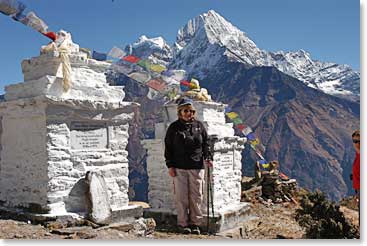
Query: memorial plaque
[
  {"x": 88, "y": 135},
  {"x": 227, "y": 161}
]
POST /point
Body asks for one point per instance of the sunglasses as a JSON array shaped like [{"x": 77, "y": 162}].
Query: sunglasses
[
  {"x": 356, "y": 141},
  {"x": 189, "y": 110}
]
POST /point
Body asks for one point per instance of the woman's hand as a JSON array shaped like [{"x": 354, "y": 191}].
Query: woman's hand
[
  {"x": 209, "y": 163},
  {"x": 172, "y": 172}
]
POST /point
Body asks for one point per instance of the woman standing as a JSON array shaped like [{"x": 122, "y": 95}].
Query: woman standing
[
  {"x": 356, "y": 167},
  {"x": 186, "y": 149}
]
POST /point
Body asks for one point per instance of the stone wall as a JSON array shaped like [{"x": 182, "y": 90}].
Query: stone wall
[
  {"x": 67, "y": 165},
  {"x": 227, "y": 172},
  {"x": 23, "y": 166},
  {"x": 160, "y": 189}
]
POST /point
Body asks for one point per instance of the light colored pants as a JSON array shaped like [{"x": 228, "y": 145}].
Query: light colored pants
[{"x": 188, "y": 189}]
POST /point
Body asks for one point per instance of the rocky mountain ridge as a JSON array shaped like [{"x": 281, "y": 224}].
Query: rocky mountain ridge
[{"x": 202, "y": 42}]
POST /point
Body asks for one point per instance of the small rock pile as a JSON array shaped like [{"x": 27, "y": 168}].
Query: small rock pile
[{"x": 268, "y": 185}]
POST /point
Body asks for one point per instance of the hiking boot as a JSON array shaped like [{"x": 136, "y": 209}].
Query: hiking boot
[
  {"x": 195, "y": 230},
  {"x": 184, "y": 230}
]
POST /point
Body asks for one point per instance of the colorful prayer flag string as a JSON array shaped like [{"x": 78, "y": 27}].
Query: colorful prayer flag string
[
  {"x": 17, "y": 11},
  {"x": 246, "y": 131}
]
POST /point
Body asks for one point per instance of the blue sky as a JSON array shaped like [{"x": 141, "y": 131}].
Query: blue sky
[{"x": 327, "y": 29}]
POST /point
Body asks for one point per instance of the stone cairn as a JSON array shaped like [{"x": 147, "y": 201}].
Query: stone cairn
[{"x": 268, "y": 185}]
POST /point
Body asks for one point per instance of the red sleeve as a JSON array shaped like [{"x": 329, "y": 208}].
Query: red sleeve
[{"x": 355, "y": 171}]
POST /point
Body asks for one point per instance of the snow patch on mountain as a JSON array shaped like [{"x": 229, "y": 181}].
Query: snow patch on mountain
[{"x": 329, "y": 86}]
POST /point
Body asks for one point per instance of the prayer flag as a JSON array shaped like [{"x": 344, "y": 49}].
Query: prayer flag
[
  {"x": 36, "y": 23},
  {"x": 121, "y": 68},
  {"x": 178, "y": 75},
  {"x": 99, "y": 56},
  {"x": 265, "y": 165},
  {"x": 184, "y": 87},
  {"x": 254, "y": 142},
  {"x": 50, "y": 35},
  {"x": 237, "y": 121},
  {"x": 262, "y": 162},
  {"x": 169, "y": 80},
  {"x": 144, "y": 63},
  {"x": 168, "y": 73},
  {"x": 185, "y": 83},
  {"x": 251, "y": 136},
  {"x": 116, "y": 53},
  {"x": 22, "y": 18},
  {"x": 141, "y": 77},
  {"x": 227, "y": 109},
  {"x": 157, "y": 68},
  {"x": 131, "y": 59},
  {"x": 247, "y": 130},
  {"x": 232, "y": 115},
  {"x": 241, "y": 127},
  {"x": 157, "y": 84},
  {"x": 11, "y": 7}
]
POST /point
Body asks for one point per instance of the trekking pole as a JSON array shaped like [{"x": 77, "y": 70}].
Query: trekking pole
[
  {"x": 212, "y": 139},
  {"x": 207, "y": 199},
  {"x": 211, "y": 197}
]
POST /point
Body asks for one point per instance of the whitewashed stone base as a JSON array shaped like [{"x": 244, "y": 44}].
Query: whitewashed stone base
[
  {"x": 160, "y": 189},
  {"x": 43, "y": 172},
  {"x": 51, "y": 138}
]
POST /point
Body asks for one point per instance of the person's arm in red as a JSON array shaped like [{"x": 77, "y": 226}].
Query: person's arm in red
[{"x": 356, "y": 173}]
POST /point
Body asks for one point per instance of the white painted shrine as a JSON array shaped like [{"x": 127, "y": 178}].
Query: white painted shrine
[{"x": 51, "y": 137}]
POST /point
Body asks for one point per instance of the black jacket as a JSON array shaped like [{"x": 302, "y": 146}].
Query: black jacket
[{"x": 186, "y": 145}]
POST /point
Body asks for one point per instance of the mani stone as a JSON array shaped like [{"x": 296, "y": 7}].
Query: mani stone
[{"x": 100, "y": 207}]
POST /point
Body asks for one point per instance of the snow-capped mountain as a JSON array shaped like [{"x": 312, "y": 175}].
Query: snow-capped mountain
[
  {"x": 203, "y": 43},
  {"x": 212, "y": 33},
  {"x": 155, "y": 49},
  {"x": 331, "y": 78}
]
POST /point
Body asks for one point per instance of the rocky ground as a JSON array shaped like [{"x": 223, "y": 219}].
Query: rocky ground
[
  {"x": 11, "y": 229},
  {"x": 268, "y": 221}
]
